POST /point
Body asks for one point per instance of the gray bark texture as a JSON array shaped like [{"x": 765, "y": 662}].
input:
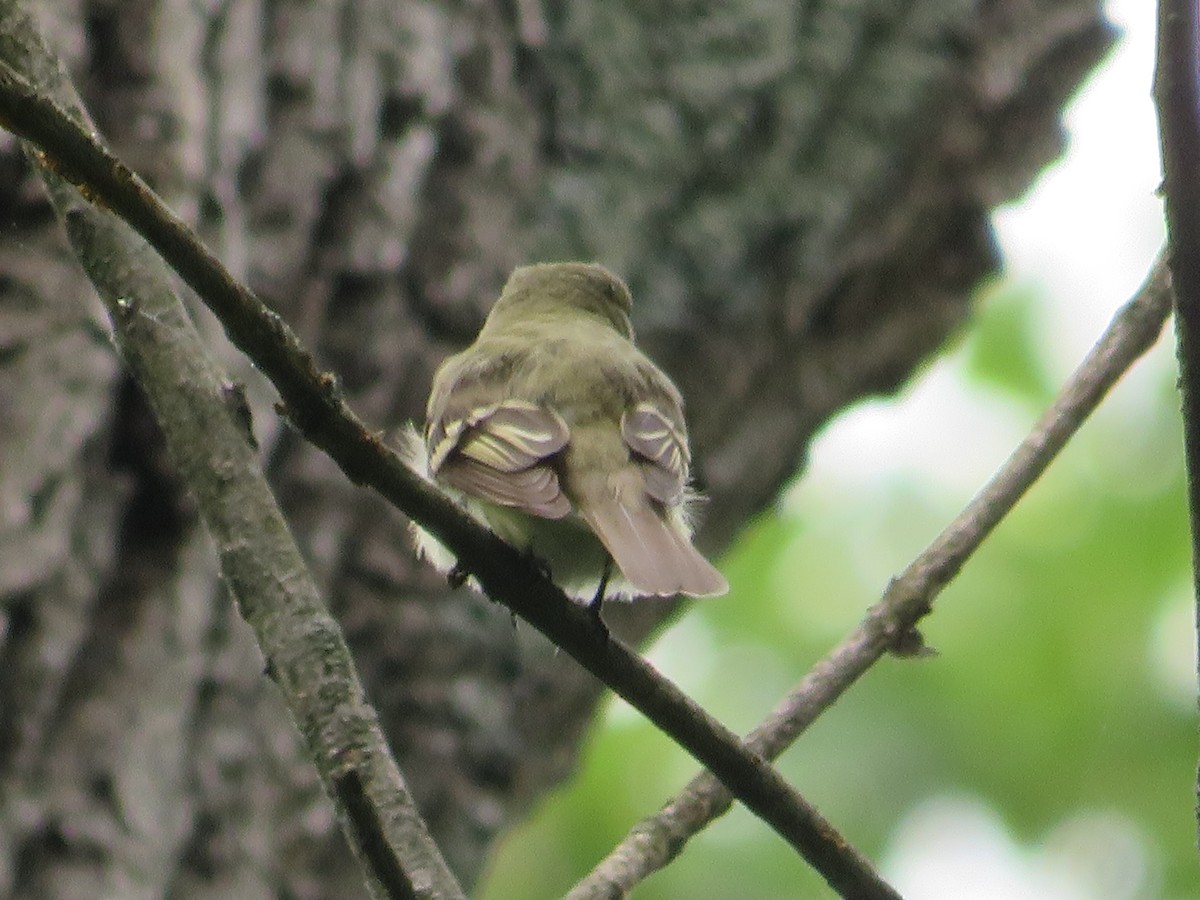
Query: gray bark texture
[{"x": 797, "y": 194}]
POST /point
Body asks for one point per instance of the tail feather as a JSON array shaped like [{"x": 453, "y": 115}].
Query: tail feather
[{"x": 652, "y": 549}]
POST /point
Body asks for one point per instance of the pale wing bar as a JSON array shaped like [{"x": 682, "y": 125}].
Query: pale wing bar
[
  {"x": 499, "y": 453},
  {"x": 662, "y": 450}
]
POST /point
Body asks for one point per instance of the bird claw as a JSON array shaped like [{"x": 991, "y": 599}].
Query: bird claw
[
  {"x": 593, "y": 609},
  {"x": 538, "y": 563}
]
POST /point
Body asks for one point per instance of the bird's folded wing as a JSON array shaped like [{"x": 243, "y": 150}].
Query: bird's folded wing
[
  {"x": 501, "y": 452},
  {"x": 659, "y": 445}
]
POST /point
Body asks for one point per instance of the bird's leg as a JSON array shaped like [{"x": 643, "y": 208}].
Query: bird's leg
[{"x": 597, "y": 601}]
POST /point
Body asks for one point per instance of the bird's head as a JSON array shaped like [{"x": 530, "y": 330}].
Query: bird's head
[{"x": 564, "y": 289}]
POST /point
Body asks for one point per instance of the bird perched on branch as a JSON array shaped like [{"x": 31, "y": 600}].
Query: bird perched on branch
[{"x": 559, "y": 434}]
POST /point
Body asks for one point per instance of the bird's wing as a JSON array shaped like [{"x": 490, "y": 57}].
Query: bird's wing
[
  {"x": 501, "y": 451},
  {"x": 649, "y": 542},
  {"x": 660, "y": 447}
]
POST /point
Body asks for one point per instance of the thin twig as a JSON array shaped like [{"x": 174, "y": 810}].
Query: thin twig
[
  {"x": 1177, "y": 97},
  {"x": 260, "y": 562},
  {"x": 655, "y": 841},
  {"x": 313, "y": 402}
]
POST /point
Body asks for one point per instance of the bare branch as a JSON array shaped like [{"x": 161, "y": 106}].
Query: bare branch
[
  {"x": 1177, "y": 97},
  {"x": 889, "y": 624},
  {"x": 261, "y": 564},
  {"x": 312, "y": 401}
]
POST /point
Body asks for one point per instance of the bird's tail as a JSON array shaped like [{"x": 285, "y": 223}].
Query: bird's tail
[{"x": 649, "y": 543}]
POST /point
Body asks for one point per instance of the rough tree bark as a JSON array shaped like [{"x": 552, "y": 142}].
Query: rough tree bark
[{"x": 797, "y": 194}]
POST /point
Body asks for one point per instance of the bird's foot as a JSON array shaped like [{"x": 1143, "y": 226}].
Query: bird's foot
[{"x": 538, "y": 563}]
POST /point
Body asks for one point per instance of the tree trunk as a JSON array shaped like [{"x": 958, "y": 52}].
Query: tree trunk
[{"x": 797, "y": 194}]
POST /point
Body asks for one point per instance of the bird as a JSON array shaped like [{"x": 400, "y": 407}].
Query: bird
[{"x": 559, "y": 434}]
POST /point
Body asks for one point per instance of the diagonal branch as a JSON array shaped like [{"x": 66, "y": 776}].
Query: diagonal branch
[
  {"x": 1177, "y": 97},
  {"x": 655, "y": 841},
  {"x": 313, "y": 402},
  {"x": 260, "y": 562}
]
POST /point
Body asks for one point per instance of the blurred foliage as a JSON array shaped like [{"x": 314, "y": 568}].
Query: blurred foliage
[
  {"x": 1062, "y": 694},
  {"x": 1004, "y": 352}
]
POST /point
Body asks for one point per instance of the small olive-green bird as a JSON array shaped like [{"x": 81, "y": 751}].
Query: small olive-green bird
[{"x": 560, "y": 435}]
